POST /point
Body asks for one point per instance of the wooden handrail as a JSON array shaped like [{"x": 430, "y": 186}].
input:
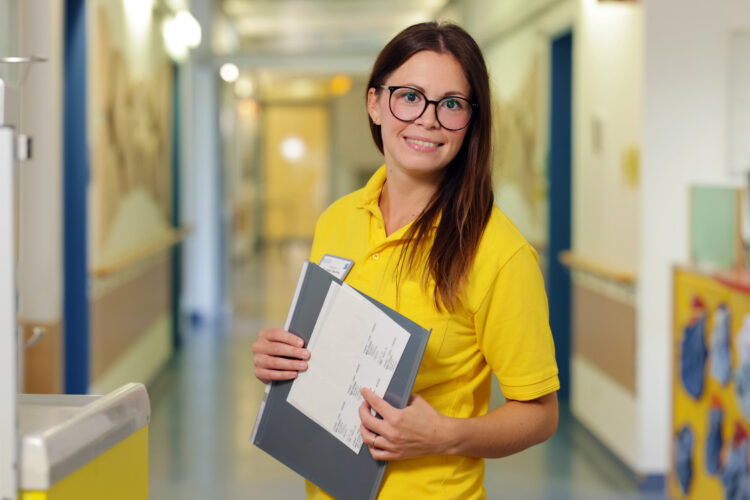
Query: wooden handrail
[
  {"x": 579, "y": 263},
  {"x": 150, "y": 249}
]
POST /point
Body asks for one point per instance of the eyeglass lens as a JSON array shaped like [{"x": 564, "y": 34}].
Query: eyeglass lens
[{"x": 408, "y": 104}]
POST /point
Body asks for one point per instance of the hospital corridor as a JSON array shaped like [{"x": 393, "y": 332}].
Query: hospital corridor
[{"x": 507, "y": 228}]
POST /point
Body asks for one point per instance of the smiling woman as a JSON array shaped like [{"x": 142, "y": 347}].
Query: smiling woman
[{"x": 427, "y": 240}]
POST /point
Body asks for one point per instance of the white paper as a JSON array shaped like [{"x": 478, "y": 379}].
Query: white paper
[{"x": 353, "y": 345}]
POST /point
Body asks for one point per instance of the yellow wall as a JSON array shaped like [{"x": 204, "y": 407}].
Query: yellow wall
[{"x": 294, "y": 192}]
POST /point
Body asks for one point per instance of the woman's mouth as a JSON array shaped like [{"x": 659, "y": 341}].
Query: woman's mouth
[{"x": 422, "y": 145}]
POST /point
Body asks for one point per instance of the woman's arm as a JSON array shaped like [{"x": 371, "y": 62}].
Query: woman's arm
[{"x": 420, "y": 430}]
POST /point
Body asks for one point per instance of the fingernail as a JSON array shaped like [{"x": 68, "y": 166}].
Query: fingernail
[
  {"x": 300, "y": 342},
  {"x": 305, "y": 354},
  {"x": 302, "y": 366}
]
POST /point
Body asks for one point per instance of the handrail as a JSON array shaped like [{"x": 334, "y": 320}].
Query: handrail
[
  {"x": 577, "y": 262},
  {"x": 173, "y": 237}
]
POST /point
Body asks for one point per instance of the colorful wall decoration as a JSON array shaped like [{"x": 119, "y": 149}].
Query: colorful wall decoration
[
  {"x": 520, "y": 113},
  {"x": 711, "y": 387},
  {"x": 517, "y": 137},
  {"x": 131, "y": 85}
]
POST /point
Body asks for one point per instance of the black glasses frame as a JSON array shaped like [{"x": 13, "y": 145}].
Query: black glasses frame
[{"x": 427, "y": 102}]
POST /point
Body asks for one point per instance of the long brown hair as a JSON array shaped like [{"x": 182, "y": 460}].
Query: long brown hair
[{"x": 464, "y": 198}]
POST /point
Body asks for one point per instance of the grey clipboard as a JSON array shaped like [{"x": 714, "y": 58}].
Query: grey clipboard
[{"x": 285, "y": 433}]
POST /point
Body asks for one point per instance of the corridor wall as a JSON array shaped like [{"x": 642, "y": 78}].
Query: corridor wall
[
  {"x": 130, "y": 99},
  {"x": 607, "y": 95},
  {"x": 608, "y": 75}
]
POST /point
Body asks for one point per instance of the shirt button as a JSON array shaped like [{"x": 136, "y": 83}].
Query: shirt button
[{"x": 375, "y": 256}]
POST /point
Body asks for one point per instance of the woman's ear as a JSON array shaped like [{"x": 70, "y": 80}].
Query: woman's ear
[{"x": 372, "y": 106}]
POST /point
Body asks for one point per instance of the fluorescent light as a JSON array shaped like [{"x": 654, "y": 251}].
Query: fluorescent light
[
  {"x": 138, "y": 16},
  {"x": 181, "y": 32},
  {"x": 174, "y": 43},
  {"x": 189, "y": 28}
]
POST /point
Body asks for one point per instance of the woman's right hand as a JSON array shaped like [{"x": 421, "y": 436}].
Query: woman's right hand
[{"x": 271, "y": 352}]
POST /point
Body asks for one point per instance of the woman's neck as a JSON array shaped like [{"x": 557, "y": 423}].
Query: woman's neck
[{"x": 404, "y": 197}]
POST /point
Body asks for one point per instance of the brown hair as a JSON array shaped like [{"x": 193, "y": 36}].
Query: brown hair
[{"x": 464, "y": 197}]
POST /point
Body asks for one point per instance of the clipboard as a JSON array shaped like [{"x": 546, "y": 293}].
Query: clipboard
[{"x": 292, "y": 438}]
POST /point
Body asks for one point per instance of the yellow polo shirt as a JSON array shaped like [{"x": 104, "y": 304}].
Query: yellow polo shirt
[{"x": 500, "y": 326}]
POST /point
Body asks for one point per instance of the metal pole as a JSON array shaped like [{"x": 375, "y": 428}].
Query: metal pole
[{"x": 8, "y": 334}]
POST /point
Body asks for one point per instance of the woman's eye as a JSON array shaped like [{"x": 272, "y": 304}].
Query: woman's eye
[
  {"x": 408, "y": 96},
  {"x": 453, "y": 104}
]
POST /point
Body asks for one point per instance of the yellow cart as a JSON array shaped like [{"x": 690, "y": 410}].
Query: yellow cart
[{"x": 84, "y": 447}]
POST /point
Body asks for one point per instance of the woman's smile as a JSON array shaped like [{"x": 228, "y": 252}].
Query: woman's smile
[{"x": 422, "y": 145}]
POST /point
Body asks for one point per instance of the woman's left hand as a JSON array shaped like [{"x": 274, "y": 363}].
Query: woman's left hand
[{"x": 415, "y": 431}]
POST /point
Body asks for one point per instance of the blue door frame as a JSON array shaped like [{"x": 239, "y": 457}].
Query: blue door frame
[
  {"x": 75, "y": 183},
  {"x": 176, "y": 252},
  {"x": 559, "y": 178}
]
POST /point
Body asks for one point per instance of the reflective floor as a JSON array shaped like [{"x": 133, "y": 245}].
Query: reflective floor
[{"x": 204, "y": 405}]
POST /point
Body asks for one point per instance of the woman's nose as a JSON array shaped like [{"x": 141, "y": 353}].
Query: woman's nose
[{"x": 428, "y": 119}]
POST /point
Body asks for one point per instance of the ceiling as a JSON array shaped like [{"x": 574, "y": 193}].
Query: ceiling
[{"x": 314, "y": 27}]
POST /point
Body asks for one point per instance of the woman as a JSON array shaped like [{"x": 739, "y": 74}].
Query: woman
[{"x": 427, "y": 240}]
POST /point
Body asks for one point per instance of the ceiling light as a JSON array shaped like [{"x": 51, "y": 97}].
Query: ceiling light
[
  {"x": 340, "y": 84},
  {"x": 244, "y": 87},
  {"x": 293, "y": 148},
  {"x": 229, "y": 72}
]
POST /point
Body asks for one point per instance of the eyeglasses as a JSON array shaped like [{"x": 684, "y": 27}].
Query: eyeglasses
[{"x": 408, "y": 104}]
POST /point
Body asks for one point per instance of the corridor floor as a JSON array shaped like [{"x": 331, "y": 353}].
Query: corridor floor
[{"x": 205, "y": 402}]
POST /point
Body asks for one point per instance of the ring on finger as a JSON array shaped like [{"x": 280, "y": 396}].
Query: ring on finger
[{"x": 373, "y": 441}]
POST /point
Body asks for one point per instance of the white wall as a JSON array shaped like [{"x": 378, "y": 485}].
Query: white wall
[
  {"x": 684, "y": 140},
  {"x": 607, "y": 121},
  {"x": 200, "y": 177},
  {"x": 8, "y": 31},
  {"x": 202, "y": 259},
  {"x": 40, "y": 189},
  {"x": 608, "y": 75}
]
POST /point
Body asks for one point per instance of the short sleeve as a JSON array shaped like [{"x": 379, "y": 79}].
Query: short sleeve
[{"x": 512, "y": 324}]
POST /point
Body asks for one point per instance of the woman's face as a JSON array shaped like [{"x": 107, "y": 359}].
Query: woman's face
[{"x": 421, "y": 147}]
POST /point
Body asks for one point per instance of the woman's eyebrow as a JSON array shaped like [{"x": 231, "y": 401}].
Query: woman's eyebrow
[{"x": 450, "y": 92}]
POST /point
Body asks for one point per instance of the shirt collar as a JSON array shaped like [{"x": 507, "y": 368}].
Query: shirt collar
[
  {"x": 370, "y": 196},
  {"x": 371, "y": 192}
]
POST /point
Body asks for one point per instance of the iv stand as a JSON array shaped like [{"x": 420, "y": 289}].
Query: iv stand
[{"x": 13, "y": 147}]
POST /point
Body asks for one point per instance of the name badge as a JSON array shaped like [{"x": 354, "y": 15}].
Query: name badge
[{"x": 338, "y": 266}]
